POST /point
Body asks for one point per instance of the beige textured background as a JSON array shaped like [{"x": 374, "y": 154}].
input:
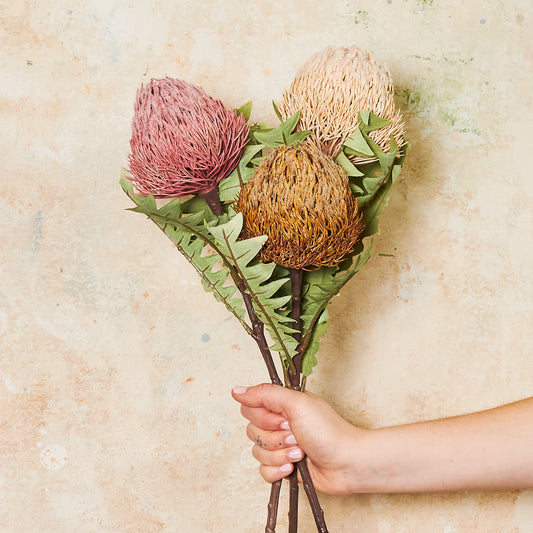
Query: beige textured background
[{"x": 116, "y": 367}]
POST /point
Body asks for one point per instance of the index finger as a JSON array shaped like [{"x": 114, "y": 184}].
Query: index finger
[
  {"x": 264, "y": 418},
  {"x": 273, "y": 398}
]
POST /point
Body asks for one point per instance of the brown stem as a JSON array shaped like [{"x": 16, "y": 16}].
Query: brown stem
[
  {"x": 258, "y": 334},
  {"x": 273, "y": 502},
  {"x": 296, "y": 276},
  {"x": 309, "y": 488},
  {"x": 212, "y": 199},
  {"x": 293, "y": 502}
]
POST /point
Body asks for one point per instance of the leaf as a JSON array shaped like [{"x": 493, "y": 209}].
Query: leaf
[
  {"x": 320, "y": 287},
  {"x": 283, "y": 134},
  {"x": 277, "y": 111},
  {"x": 386, "y": 159},
  {"x": 256, "y": 276},
  {"x": 371, "y": 185},
  {"x": 245, "y": 110},
  {"x": 357, "y": 145},
  {"x": 309, "y": 359},
  {"x": 372, "y": 122},
  {"x": 349, "y": 168},
  {"x": 190, "y": 234},
  {"x": 230, "y": 186}
]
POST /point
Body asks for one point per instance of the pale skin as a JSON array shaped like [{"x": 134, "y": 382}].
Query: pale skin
[{"x": 486, "y": 450}]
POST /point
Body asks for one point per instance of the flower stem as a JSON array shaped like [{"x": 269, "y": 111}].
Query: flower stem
[
  {"x": 293, "y": 502},
  {"x": 275, "y": 490},
  {"x": 212, "y": 199},
  {"x": 296, "y": 276},
  {"x": 258, "y": 334},
  {"x": 309, "y": 488}
]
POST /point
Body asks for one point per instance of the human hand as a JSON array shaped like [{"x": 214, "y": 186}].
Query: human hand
[{"x": 286, "y": 424}]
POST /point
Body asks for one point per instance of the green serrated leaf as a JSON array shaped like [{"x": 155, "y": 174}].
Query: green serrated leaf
[
  {"x": 190, "y": 234},
  {"x": 284, "y": 134},
  {"x": 277, "y": 111},
  {"x": 256, "y": 277},
  {"x": 349, "y": 168},
  {"x": 357, "y": 144},
  {"x": 291, "y": 123},
  {"x": 245, "y": 110},
  {"x": 320, "y": 287},
  {"x": 365, "y": 117},
  {"x": 396, "y": 169},
  {"x": 145, "y": 205},
  {"x": 230, "y": 186},
  {"x": 373, "y": 122},
  {"x": 386, "y": 159},
  {"x": 309, "y": 360},
  {"x": 297, "y": 137},
  {"x": 356, "y": 189}
]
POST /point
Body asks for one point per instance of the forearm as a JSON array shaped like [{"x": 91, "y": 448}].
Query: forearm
[{"x": 486, "y": 450}]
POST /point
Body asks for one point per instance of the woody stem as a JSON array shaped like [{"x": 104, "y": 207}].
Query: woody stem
[
  {"x": 212, "y": 199},
  {"x": 296, "y": 276}
]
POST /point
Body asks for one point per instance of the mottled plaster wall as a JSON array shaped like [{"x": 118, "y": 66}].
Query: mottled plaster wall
[{"x": 115, "y": 366}]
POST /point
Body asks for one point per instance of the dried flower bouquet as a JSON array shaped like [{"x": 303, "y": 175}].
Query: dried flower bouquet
[{"x": 285, "y": 212}]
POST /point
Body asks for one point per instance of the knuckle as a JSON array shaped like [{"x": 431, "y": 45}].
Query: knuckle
[
  {"x": 256, "y": 452},
  {"x": 263, "y": 387},
  {"x": 268, "y": 474}
]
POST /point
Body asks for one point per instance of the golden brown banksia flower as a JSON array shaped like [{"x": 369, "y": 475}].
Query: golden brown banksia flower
[
  {"x": 332, "y": 88},
  {"x": 301, "y": 199}
]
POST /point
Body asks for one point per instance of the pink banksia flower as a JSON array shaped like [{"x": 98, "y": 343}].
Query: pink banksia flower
[{"x": 183, "y": 141}]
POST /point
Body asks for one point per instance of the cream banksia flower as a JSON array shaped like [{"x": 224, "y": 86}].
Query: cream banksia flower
[
  {"x": 301, "y": 199},
  {"x": 330, "y": 91},
  {"x": 183, "y": 140}
]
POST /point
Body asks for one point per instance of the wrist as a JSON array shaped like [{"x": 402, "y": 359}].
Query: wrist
[{"x": 370, "y": 468}]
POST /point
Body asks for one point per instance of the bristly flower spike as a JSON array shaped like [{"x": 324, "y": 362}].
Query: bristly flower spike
[
  {"x": 330, "y": 91},
  {"x": 183, "y": 141},
  {"x": 301, "y": 199}
]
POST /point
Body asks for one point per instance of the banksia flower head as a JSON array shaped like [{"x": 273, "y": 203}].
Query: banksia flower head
[
  {"x": 183, "y": 140},
  {"x": 301, "y": 199},
  {"x": 332, "y": 88}
]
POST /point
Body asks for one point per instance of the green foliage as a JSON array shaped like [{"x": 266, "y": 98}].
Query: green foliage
[
  {"x": 245, "y": 110},
  {"x": 191, "y": 236},
  {"x": 371, "y": 183},
  {"x": 229, "y": 262},
  {"x": 284, "y": 134},
  {"x": 228, "y": 265},
  {"x": 231, "y": 185},
  {"x": 258, "y": 282}
]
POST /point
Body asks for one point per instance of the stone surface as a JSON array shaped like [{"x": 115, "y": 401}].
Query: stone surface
[{"x": 116, "y": 367}]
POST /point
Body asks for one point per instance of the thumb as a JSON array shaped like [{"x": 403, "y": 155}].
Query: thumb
[{"x": 274, "y": 398}]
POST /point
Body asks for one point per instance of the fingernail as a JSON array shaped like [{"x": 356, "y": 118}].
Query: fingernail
[
  {"x": 285, "y": 468},
  {"x": 240, "y": 390},
  {"x": 290, "y": 439},
  {"x": 295, "y": 454},
  {"x": 285, "y": 425}
]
